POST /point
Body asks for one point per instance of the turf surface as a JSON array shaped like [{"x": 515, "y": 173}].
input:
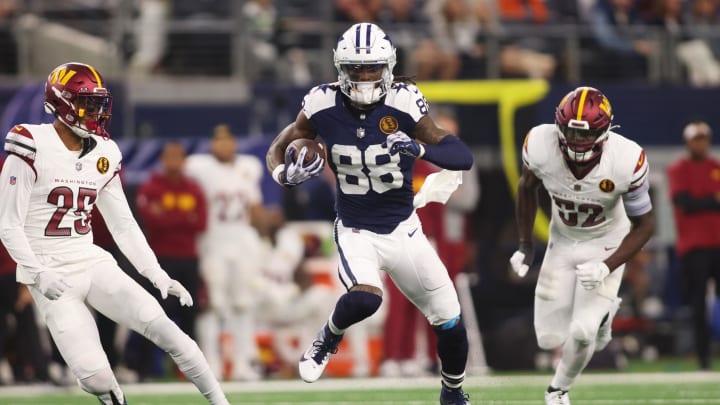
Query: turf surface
[{"x": 686, "y": 388}]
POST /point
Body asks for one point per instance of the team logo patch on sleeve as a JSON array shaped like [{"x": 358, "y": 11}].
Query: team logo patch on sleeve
[
  {"x": 640, "y": 162},
  {"x": 103, "y": 165},
  {"x": 607, "y": 186},
  {"x": 388, "y": 125}
]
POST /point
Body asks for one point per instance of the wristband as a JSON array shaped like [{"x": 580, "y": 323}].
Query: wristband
[{"x": 277, "y": 172}]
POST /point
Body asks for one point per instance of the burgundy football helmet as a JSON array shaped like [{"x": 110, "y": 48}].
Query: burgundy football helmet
[
  {"x": 584, "y": 118},
  {"x": 75, "y": 93}
]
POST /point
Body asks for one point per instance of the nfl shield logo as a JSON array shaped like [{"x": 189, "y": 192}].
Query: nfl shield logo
[
  {"x": 13, "y": 180},
  {"x": 360, "y": 133},
  {"x": 78, "y": 166}
]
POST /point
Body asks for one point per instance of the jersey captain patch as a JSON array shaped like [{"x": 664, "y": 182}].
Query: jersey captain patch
[
  {"x": 388, "y": 125},
  {"x": 607, "y": 185},
  {"x": 103, "y": 165}
]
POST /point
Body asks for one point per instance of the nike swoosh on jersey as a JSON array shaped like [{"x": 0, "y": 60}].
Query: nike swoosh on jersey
[
  {"x": 610, "y": 248},
  {"x": 411, "y": 233}
]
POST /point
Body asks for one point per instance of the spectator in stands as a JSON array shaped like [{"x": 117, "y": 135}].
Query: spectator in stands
[
  {"x": 8, "y": 44},
  {"x": 173, "y": 213},
  {"x": 29, "y": 359},
  {"x": 526, "y": 55},
  {"x": 701, "y": 50},
  {"x": 456, "y": 25},
  {"x": 229, "y": 251},
  {"x": 695, "y": 192},
  {"x": 703, "y": 18},
  {"x": 259, "y": 22},
  {"x": 619, "y": 31},
  {"x": 151, "y": 32},
  {"x": 353, "y": 11},
  {"x": 417, "y": 49}
]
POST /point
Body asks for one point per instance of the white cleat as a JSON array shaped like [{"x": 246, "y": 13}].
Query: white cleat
[
  {"x": 557, "y": 398},
  {"x": 316, "y": 357}
]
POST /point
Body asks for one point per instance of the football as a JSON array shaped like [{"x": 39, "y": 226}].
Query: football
[{"x": 314, "y": 147}]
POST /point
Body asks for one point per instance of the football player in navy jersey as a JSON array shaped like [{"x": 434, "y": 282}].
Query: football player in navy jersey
[{"x": 374, "y": 128}]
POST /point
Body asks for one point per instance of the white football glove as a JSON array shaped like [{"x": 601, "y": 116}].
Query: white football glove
[
  {"x": 522, "y": 259},
  {"x": 400, "y": 142},
  {"x": 297, "y": 172},
  {"x": 51, "y": 284},
  {"x": 592, "y": 274},
  {"x": 168, "y": 286}
]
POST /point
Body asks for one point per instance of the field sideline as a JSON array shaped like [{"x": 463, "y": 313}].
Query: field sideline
[{"x": 686, "y": 388}]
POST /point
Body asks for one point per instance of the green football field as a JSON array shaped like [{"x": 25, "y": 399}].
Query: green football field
[{"x": 683, "y": 388}]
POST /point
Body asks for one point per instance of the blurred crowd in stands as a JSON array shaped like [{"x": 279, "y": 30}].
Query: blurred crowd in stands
[{"x": 290, "y": 40}]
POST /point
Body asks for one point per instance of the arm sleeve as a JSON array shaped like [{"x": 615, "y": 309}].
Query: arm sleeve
[
  {"x": 451, "y": 153},
  {"x": 16, "y": 183},
  {"x": 114, "y": 208},
  {"x": 637, "y": 201}
]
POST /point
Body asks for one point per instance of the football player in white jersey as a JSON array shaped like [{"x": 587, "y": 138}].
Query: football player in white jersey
[
  {"x": 371, "y": 125},
  {"x": 53, "y": 176},
  {"x": 229, "y": 251},
  {"x": 601, "y": 216}
]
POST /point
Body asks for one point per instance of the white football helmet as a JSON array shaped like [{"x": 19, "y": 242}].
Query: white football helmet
[{"x": 361, "y": 45}]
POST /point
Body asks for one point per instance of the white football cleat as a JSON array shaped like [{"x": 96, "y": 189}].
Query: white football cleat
[
  {"x": 604, "y": 335},
  {"x": 316, "y": 357},
  {"x": 559, "y": 397}
]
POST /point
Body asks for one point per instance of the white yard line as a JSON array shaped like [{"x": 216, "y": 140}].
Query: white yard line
[{"x": 331, "y": 384}]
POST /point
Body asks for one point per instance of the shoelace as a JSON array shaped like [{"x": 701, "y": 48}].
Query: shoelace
[{"x": 323, "y": 346}]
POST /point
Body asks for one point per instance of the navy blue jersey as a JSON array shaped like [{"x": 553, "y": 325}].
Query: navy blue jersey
[{"x": 374, "y": 188}]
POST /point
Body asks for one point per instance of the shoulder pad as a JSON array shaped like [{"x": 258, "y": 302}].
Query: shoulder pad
[
  {"x": 20, "y": 141},
  {"x": 407, "y": 98},
  {"x": 319, "y": 98}
]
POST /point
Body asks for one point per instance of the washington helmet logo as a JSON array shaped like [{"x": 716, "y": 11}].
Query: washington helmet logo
[
  {"x": 607, "y": 185},
  {"x": 388, "y": 125},
  {"x": 103, "y": 164}
]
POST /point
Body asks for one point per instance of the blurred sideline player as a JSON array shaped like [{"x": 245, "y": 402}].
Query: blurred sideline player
[
  {"x": 229, "y": 251},
  {"x": 173, "y": 213},
  {"x": 370, "y": 124},
  {"x": 54, "y": 175},
  {"x": 601, "y": 217}
]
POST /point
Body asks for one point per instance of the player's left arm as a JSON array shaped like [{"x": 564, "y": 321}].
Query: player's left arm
[
  {"x": 642, "y": 230},
  {"x": 121, "y": 223},
  {"x": 638, "y": 207},
  {"x": 440, "y": 147}
]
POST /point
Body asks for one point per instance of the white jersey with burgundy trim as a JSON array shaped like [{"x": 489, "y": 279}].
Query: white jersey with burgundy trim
[
  {"x": 63, "y": 186},
  {"x": 230, "y": 189},
  {"x": 591, "y": 207}
]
